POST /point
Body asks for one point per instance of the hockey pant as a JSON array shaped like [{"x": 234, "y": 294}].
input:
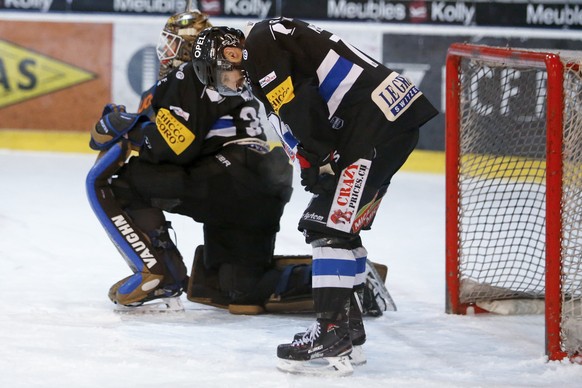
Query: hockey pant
[{"x": 332, "y": 222}]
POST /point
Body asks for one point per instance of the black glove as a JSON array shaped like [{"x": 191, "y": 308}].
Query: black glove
[
  {"x": 117, "y": 125},
  {"x": 113, "y": 108},
  {"x": 317, "y": 173}
]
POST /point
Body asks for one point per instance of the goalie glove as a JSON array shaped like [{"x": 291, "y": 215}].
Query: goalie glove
[
  {"x": 116, "y": 125},
  {"x": 318, "y": 175},
  {"x": 111, "y": 108}
]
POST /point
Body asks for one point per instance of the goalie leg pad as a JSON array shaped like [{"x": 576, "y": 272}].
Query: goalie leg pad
[
  {"x": 376, "y": 298},
  {"x": 203, "y": 286},
  {"x": 293, "y": 291},
  {"x": 131, "y": 242}
]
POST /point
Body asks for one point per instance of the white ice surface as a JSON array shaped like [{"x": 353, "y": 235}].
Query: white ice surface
[{"x": 58, "y": 328}]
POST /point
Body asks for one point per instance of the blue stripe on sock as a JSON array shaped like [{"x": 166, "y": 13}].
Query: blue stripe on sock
[
  {"x": 361, "y": 264},
  {"x": 322, "y": 267}
]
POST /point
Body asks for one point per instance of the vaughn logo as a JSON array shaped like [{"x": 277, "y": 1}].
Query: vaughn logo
[
  {"x": 133, "y": 239},
  {"x": 348, "y": 195}
]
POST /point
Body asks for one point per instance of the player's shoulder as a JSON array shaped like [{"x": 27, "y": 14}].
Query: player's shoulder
[
  {"x": 183, "y": 74},
  {"x": 270, "y": 27}
]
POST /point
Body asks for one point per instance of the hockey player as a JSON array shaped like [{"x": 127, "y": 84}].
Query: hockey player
[
  {"x": 203, "y": 156},
  {"x": 349, "y": 123},
  {"x": 175, "y": 47}
]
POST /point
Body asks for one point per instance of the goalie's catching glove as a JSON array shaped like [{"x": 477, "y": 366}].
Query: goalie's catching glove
[
  {"x": 115, "y": 125},
  {"x": 318, "y": 175},
  {"x": 111, "y": 108}
]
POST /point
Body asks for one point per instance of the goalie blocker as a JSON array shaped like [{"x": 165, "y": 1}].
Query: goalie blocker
[{"x": 285, "y": 288}]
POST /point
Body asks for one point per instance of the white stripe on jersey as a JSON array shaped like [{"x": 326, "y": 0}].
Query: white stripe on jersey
[
  {"x": 327, "y": 68},
  {"x": 344, "y": 87}
]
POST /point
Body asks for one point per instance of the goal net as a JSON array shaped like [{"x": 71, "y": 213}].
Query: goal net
[{"x": 514, "y": 187}]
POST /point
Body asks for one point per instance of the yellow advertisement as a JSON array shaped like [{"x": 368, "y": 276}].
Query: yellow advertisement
[
  {"x": 25, "y": 74},
  {"x": 176, "y": 135}
]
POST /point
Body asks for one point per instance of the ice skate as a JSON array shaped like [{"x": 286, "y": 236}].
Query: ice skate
[
  {"x": 357, "y": 332},
  {"x": 323, "y": 349},
  {"x": 357, "y": 357},
  {"x": 141, "y": 293}
]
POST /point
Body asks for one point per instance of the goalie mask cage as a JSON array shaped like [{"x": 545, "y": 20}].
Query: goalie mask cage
[{"x": 514, "y": 186}]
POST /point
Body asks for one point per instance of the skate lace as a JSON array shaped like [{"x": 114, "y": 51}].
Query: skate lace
[{"x": 311, "y": 334}]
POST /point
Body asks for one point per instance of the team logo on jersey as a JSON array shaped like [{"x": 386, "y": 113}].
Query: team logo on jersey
[
  {"x": 395, "y": 95},
  {"x": 267, "y": 79},
  {"x": 282, "y": 94},
  {"x": 348, "y": 195},
  {"x": 176, "y": 135}
]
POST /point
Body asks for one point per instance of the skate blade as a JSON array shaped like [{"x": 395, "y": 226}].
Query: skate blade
[
  {"x": 326, "y": 366},
  {"x": 357, "y": 356},
  {"x": 156, "y": 306}
]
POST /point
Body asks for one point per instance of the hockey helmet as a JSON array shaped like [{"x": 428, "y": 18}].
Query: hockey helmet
[
  {"x": 178, "y": 37},
  {"x": 210, "y": 64}
]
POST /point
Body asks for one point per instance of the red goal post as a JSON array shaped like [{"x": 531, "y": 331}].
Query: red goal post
[{"x": 514, "y": 186}]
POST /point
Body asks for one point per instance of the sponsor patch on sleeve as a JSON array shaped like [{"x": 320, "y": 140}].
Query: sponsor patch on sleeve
[
  {"x": 176, "y": 135},
  {"x": 282, "y": 94},
  {"x": 267, "y": 79},
  {"x": 395, "y": 95}
]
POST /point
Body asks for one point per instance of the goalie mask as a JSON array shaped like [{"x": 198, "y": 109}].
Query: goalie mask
[
  {"x": 210, "y": 64},
  {"x": 178, "y": 37}
]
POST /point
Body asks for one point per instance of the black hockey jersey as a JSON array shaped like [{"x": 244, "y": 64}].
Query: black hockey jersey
[
  {"x": 192, "y": 121},
  {"x": 325, "y": 94}
]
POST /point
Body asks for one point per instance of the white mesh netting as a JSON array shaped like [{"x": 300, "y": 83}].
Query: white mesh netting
[{"x": 502, "y": 185}]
